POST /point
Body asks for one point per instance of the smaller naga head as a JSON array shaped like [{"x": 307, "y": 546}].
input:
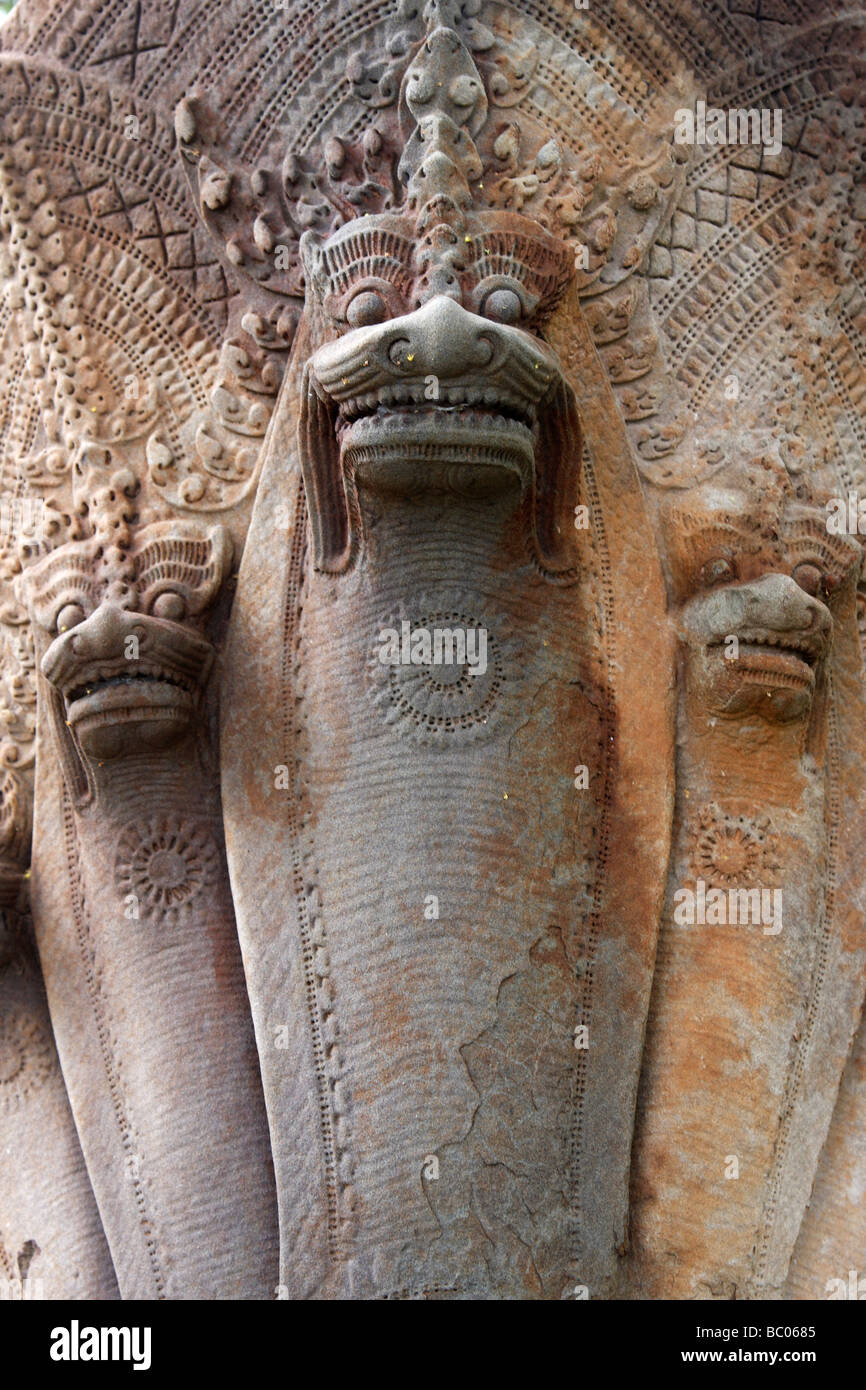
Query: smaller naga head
[
  {"x": 120, "y": 632},
  {"x": 755, "y": 575},
  {"x": 428, "y": 369}
]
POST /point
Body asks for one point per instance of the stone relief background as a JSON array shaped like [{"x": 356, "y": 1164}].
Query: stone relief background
[{"x": 322, "y": 977}]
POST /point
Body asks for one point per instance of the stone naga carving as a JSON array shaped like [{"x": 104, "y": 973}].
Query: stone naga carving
[
  {"x": 414, "y": 975},
  {"x": 430, "y": 589},
  {"x": 53, "y": 1244},
  {"x": 133, "y": 909},
  {"x": 766, "y": 616}
]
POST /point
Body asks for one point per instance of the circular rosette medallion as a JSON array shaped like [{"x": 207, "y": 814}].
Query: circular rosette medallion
[
  {"x": 163, "y": 864},
  {"x": 27, "y": 1057},
  {"x": 441, "y": 673},
  {"x": 732, "y": 851}
]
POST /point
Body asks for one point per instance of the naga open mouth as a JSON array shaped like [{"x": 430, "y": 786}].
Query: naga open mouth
[
  {"x": 440, "y": 402},
  {"x": 781, "y": 659},
  {"x": 486, "y": 405},
  {"x": 467, "y": 430},
  {"x": 108, "y": 690}
]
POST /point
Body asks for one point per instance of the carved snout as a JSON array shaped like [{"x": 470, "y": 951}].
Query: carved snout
[
  {"x": 772, "y": 604},
  {"x": 441, "y": 340},
  {"x": 133, "y": 642},
  {"x": 755, "y": 647}
]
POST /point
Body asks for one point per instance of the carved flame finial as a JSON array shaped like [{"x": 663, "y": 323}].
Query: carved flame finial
[{"x": 445, "y": 96}]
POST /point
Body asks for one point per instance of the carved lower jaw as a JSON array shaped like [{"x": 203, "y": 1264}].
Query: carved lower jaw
[
  {"x": 459, "y": 447},
  {"x": 782, "y": 662},
  {"x": 113, "y": 712},
  {"x": 774, "y": 673}
]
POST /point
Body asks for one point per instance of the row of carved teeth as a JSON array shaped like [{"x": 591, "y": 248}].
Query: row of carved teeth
[
  {"x": 141, "y": 673},
  {"x": 781, "y": 641},
  {"x": 392, "y": 421},
  {"x": 786, "y": 641},
  {"x": 784, "y": 678},
  {"x": 417, "y": 394}
]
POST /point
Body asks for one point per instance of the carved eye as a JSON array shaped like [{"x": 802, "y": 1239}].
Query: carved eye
[
  {"x": 502, "y": 306},
  {"x": 809, "y": 578},
  {"x": 70, "y": 615},
  {"x": 169, "y": 605},
  {"x": 717, "y": 571},
  {"x": 366, "y": 308}
]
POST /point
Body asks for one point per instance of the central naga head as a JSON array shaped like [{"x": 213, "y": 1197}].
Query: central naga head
[{"x": 432, "y": 373}]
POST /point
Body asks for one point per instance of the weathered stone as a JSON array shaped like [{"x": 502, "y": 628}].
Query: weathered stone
[{"x": 423, "y": 431}]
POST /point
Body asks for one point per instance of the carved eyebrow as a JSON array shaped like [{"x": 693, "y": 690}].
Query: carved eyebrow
[
  {"x": 191, "y": 564},
  {"x": 805, "y": 538},
  {"x": 61, "y": 576},
  {"x": 694, "y": 537},
  {"x": 699, "y": 537},
  {"x": 365, "y": 253},
  {"x": 543, "y": 271}
]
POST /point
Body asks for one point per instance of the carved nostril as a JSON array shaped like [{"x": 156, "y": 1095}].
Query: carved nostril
[{"x": 400, "y": 354}]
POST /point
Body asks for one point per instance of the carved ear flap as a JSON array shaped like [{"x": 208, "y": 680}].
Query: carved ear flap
[
  {"x": 557, "y": 475},
  {"x": 316, "y": 439},
  {"x": 324, "y": 485},
  {"x": 318, "y": 445}
]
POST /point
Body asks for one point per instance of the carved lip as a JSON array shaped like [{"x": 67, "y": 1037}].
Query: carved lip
[
  {"x": 461, "y": 448},
  {"x": 779, "y": 658},
  {"x": 459, "y": 432},
  {"x": 112, "y": 687},
  {"x": 485, "y": 407},
  {"x": 439, "y": 423}
]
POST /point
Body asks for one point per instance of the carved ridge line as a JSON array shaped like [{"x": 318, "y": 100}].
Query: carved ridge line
[
  {"x": 152, "y": 321},
  {"x": 798, "y": 75},
  {"x": 634, "y": 70},
  {"x": 704, "y": 379},
  {"x": 640, "y": 39},
  {"x": 594, "y": 921},
  {"x": 101, "y": 30},
  {"x": 819, "y": 977},
  {"x": 851, "y": 414},
  {"x": 695, "y": 375},
  {"x": 291, "y": 757},
  {"x": 668, "y": 17},
  {"x": 603, "y": 130},
  {"x": 195, "y": 307},
  {"x": 831, "y": 435},
  {"x": 112, "y": 1070},
  {"x": 181, "y": 43},
  {"x": 125, "y": 343},
  {"x": 856, "y": 339},
  {"x": 263, "y": 129},
  {"x": 166, "y": 184},
  {"x": 734, "y": 239}
]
